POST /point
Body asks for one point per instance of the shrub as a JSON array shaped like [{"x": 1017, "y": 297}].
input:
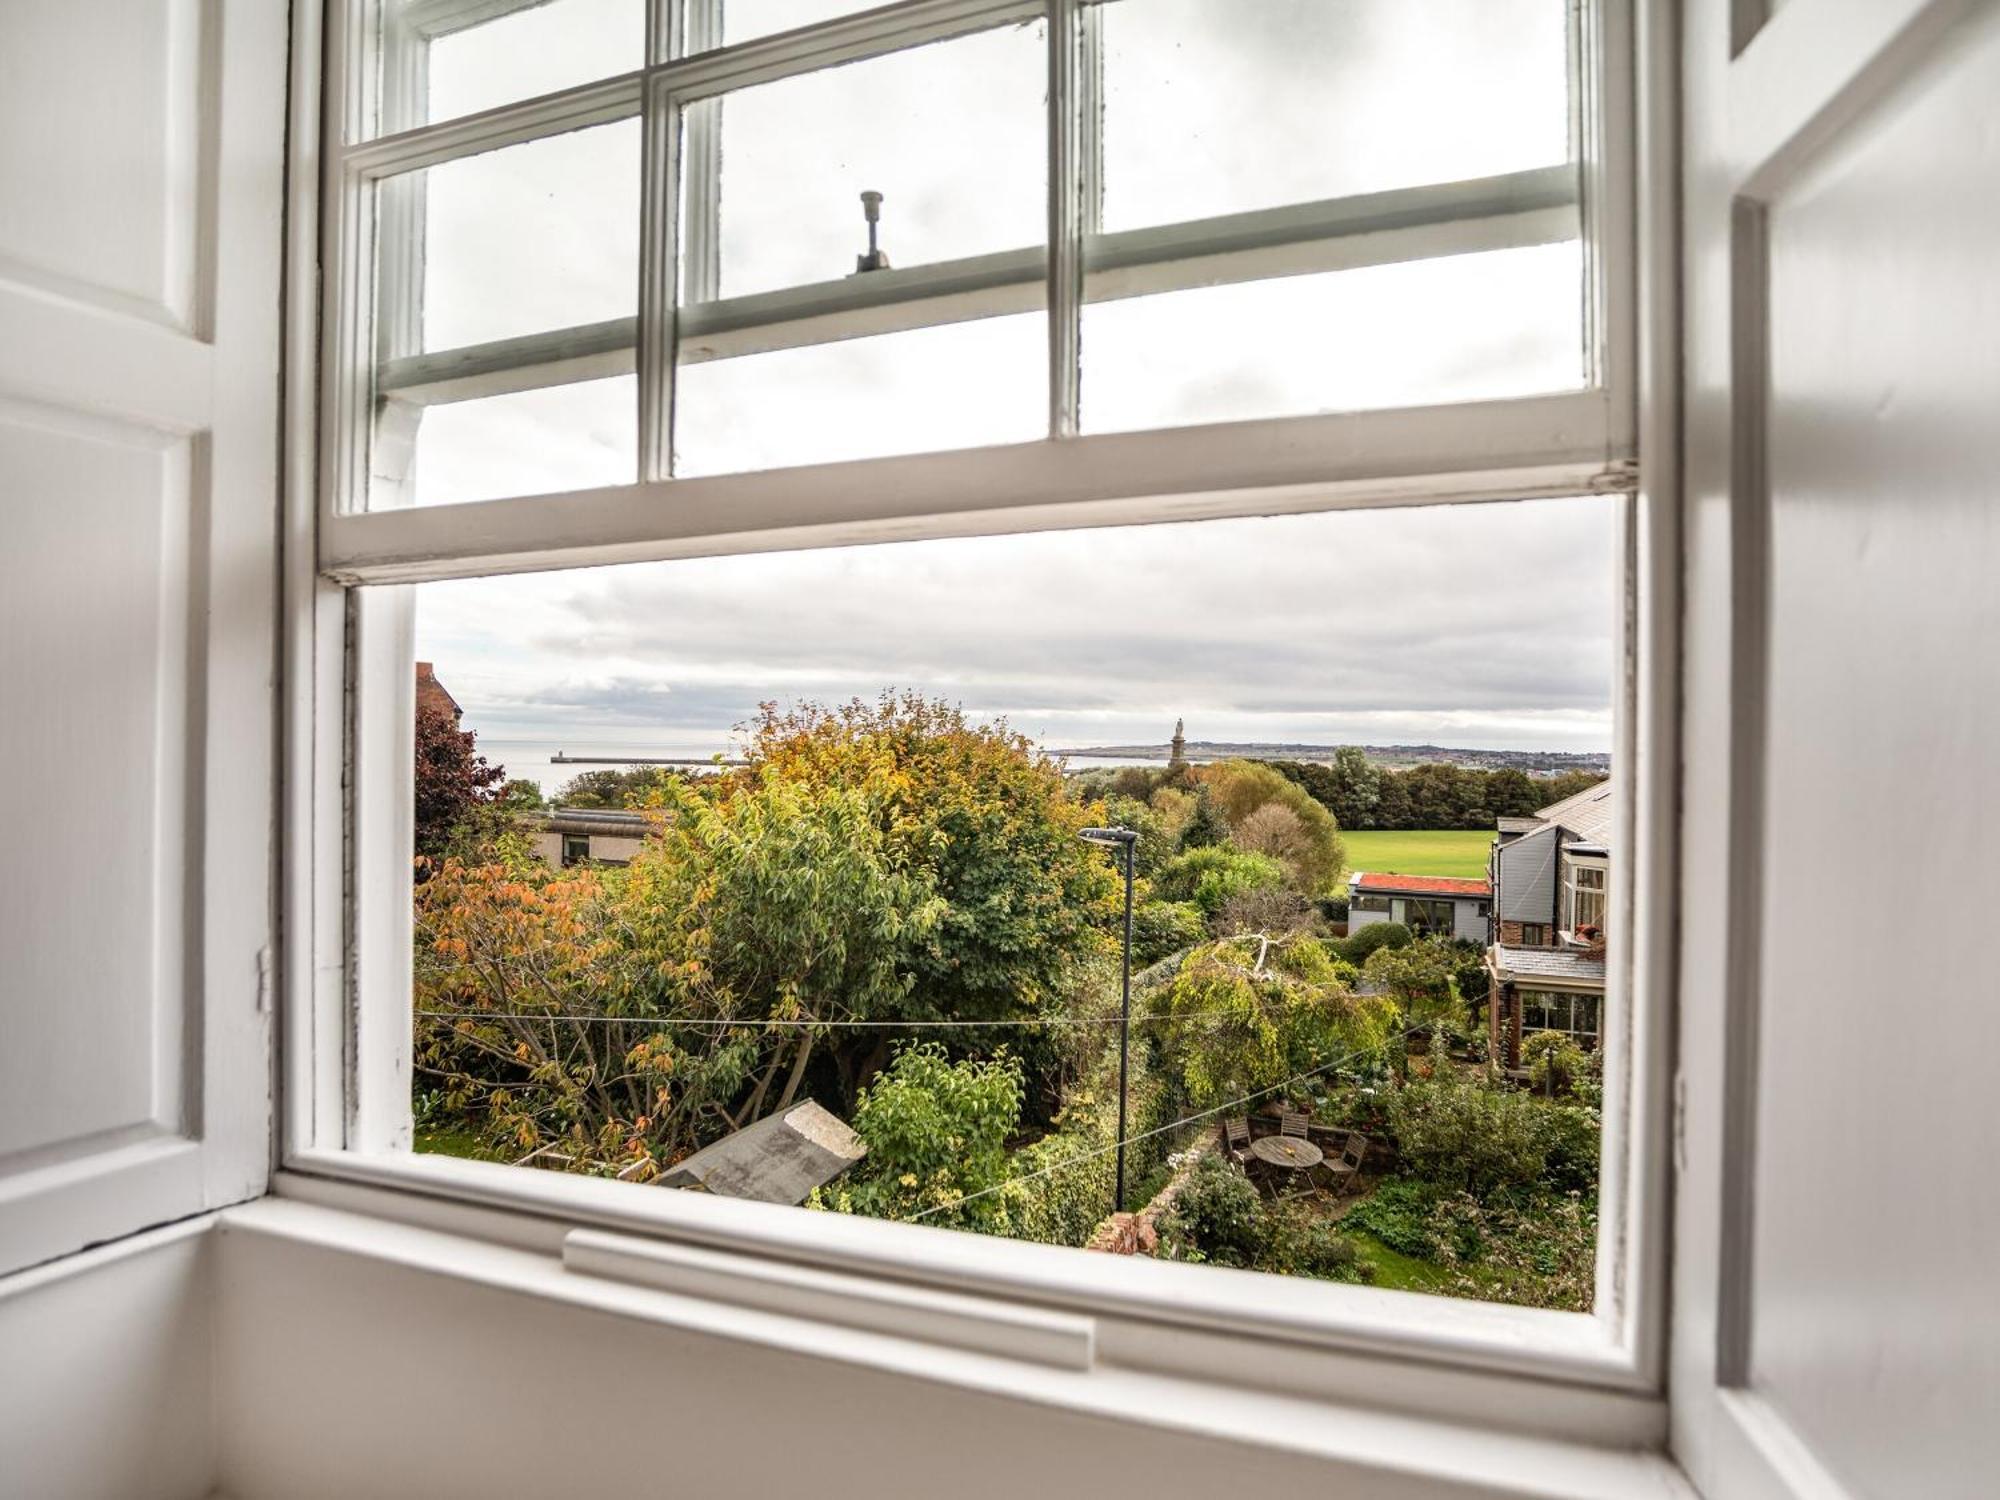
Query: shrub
[
  {"x": 1218, "y": 1217},
  {"x": 1162, "y": 928},
  {"x": 1554, "y": 1061},
  {"x": 1474, "y": 981},
  {"x": 1210, "y": 875},
  {"x": 1217, "y": 1211},
  {"x": 1572, "y": 1134},
  {"x": 1297, "y": 1242},
  {"x": 936, "y": 1131},
  {"x": 1468, "y": 1133},
  {"x": 1357, "y": 948}
]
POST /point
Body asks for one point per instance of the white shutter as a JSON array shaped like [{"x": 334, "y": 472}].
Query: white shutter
[
  {"x": 1836, "y": 1326},
  {"x": 141, "y": 198}
]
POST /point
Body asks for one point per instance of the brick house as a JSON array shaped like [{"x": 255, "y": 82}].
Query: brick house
[
  {"x": 1550, "y": 876},
  {"x": 433, "y": 694}
]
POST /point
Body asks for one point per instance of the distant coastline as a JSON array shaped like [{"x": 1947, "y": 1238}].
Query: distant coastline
[
  {"x": 1534, "y": 762},
  {"x": 550, "y": 765}
]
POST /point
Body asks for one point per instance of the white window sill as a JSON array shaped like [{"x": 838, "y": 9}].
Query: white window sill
[
  {"x": 1361, "y": 1444},
  {"x": 1542, "y": 1374}
]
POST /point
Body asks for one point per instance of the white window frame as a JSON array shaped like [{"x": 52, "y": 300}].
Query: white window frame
[
  {"x": 345, "y": 1131},
  {"x": 1573, "y": 887}
]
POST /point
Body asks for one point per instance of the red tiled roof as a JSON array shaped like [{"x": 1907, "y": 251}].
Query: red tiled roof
[{"x": 1422, "y": 885}]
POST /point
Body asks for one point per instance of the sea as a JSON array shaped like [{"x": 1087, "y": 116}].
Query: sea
[{"x": 534, "y": 760}]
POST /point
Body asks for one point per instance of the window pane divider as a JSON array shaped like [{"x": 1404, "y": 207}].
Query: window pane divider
[
  {"x": 1537, "y": 446},
  {"x": 1490, "y": 213},
  {"x": 1064, "y": 255},
  {"x": 659, "y": 256},
  {"x": 600, "y": 103}
]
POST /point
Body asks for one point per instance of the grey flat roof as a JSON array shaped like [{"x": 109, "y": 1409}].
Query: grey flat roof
[
  {"x": 1550, "y": 963},
  {"x": 780, "y": 1159}
]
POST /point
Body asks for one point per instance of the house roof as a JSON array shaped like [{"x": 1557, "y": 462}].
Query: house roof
[
  {"x": 622, "y": 822},
  {"x": 1561, "y": 965},
  {"x": 432, "y": 693},
  {"x": 1589, "y": 815},
  {"x": 1418, "y": 885},
  {"x": 780, "y": 1159}
]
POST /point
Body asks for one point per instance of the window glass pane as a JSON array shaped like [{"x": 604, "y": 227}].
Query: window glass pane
[
  {"x": 951, "y": 135},
  {"x": 743, "y": 20},
  {"x": 1215, "y": 108},
  {"x": 801, "y": 356},
  {"x": 535, "y": 239},
  {"x": 528, "y": 239},
  {"x": 960, "y": 386},
  {"x": 1459, "y": 328},
  {"x": 1220, "y": 106},
  {"x": 562, "y": 437},
  {"x": 526, "y": 50},
  {"x": 711, "y": 841}
]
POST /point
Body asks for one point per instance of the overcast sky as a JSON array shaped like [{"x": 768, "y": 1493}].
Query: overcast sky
[
  {"x": 1476, "y": 626},
  {"x": 1469, "y": 625}
]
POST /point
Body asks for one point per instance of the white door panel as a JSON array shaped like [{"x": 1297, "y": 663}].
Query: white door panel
[
  {"x": 101, "y": 108},
  {"x": 1836, "y": 1330},
  {"x": 141, "y": 157}
]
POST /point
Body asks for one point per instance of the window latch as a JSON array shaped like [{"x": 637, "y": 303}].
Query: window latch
[{"x": 877, "y": 259}]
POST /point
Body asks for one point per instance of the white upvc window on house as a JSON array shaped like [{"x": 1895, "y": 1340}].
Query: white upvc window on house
[
  {"x": 1583, "y": 895},
  {"x": 651, "y": 283}
]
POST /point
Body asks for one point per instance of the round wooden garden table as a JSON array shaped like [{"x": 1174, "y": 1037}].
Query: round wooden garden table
[{"x": 1287, "y": 1152}]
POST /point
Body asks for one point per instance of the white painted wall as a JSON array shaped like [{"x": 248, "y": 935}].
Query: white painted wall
[
  {"x": 348, "y": 1365},
  {"x": 107, "y": 1383}
]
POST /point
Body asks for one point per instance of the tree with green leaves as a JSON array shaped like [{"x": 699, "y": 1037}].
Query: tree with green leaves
[
  {"x": 618, "y": 787},
  {"x": 1246, "y": 1014},
  {"x": 987, "y": 821},
  {"x": 1269, "y": 813},
  {"x": 1210, "y": 875},
  {"x": 1420, "y": 976},
  {"x": 936, "y": 1132}
]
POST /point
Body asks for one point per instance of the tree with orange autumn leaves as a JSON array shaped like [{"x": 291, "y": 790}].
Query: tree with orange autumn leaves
[{"x": 873, "y": 862}]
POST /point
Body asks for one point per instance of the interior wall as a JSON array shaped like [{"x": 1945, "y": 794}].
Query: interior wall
[
  {"x": 107, "y": 1372},
  {"x": 359, "y": 1360}
]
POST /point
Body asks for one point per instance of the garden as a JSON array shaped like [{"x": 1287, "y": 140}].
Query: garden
[{"x": 888, "y": 909}]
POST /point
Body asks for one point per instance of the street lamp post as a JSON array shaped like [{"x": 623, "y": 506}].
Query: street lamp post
[{"x": 1127, "y": 839}]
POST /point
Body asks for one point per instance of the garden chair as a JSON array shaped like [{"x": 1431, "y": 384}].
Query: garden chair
[
  {"x": 1236, "y": 1140},
  {"x": 1292, "y": 1122},
  {"x": 1345, "y": 1169}
]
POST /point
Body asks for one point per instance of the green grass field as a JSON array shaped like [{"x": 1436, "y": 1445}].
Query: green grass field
[{"x": 1419, "y": 851}]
